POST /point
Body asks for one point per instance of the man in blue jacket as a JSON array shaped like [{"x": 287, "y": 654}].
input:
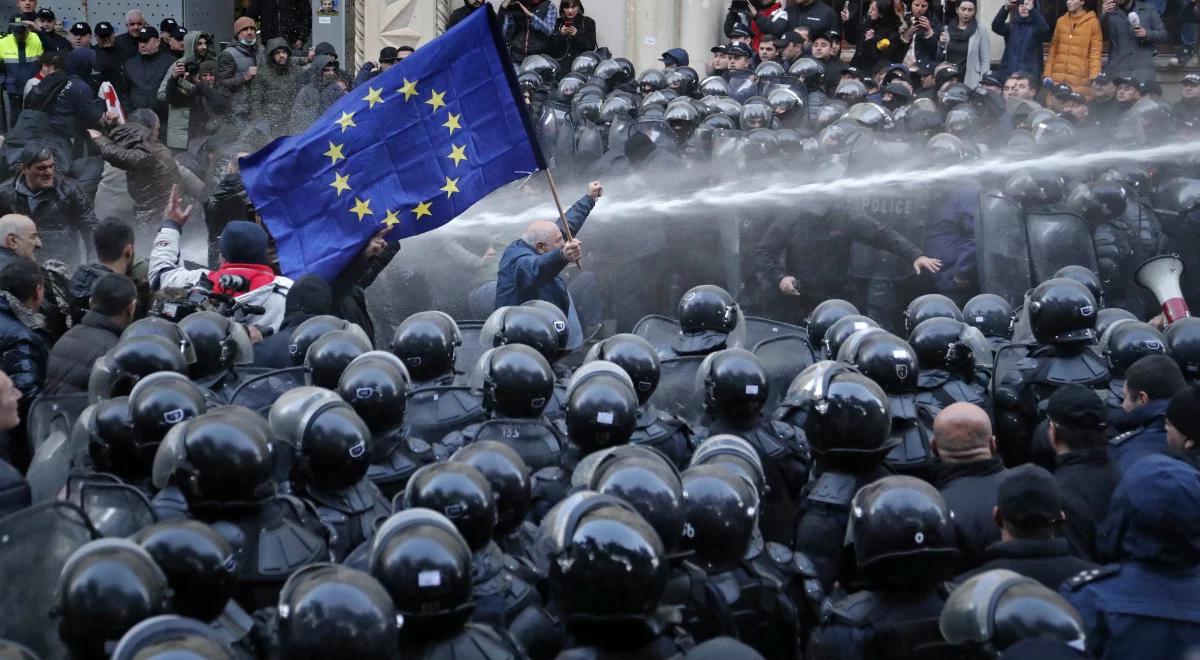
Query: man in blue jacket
[
  {"x": 1024, "y": 28},
  {"x": 530, "y": 266},
  {"x": 1149, "y": 385}
]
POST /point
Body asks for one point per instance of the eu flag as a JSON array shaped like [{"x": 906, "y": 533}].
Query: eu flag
[{"x": 410, "y": 150}]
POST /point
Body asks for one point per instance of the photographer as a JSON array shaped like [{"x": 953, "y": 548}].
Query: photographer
[
  {"x": 528, "y": 27},
  {"x": 243, "y": 247},
  {"x": 184, "y": 91}
]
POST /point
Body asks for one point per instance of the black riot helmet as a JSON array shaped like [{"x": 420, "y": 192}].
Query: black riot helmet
[
  {"x": 735, "y": 384},
  {"x": 611, "y": 73},
  {"x": 424, "y": 563},
  {"x": 1183, "y": 342},
  {"x": 849, "y": 348},
  {"x": 953, "y": 95},
  {"x": 331, "y": 611},
  {"x": 844, "y": 412},
  {"x": 569, "y": 86},
  {"x": 963, "y": 121},
  {"x": 427, "y": 343},
  {"x": 160, "y": 401},
  {"x": 787, "y": 103},
  {"x": 945, "y": 344},
  {"x": 902, "y": 532},
  {"x": 889, "y": 361},
  {"x": 1062, "y": 311},
  {"x": 118, "y": 370},
  {"x": 313, "y": 329},
  {"x": 809, "y": 71},
  {"x": 626, "y": 66},
  {"x": 329, "y": 356},
  {"x": 332, "y": 444},
  {"x": 651, "y": 80},
  {"x": 928, "y": 306},
  {"x": 1099, "y": 201},
  {"x": 605, "y": 562},
  {"x": 946, "y": 148},
  {"x": 754, "y": 115},
  {"x": 168, "y": 636},
  {"x": 824, "y": 315},
  {"x": 105, "y": 588},
  {"x": 530, "y": 82},
  {"x": 1053, "y": 133},
  {"x": 649, "y": 482},
  {"x": 709, "y": 319},
  {"x": 159, "y": 327},
  {"x": 735, "y": 454},
  {"x": 841, "y": 330},
  {"x": 558, "y": 320},
  {"x": 199, "y": 563},
  {"x": 521, "y": 325},
  {"x": 998, "y": 608},
  {"x": 769, "y": 70},
  {"x": 683, "y": 80},
  {"x": 221, "y": 457},
  {"x": 516, "y": 381},
  {"x": 850, "y": 90},
  {"x": 872, "y": 116},
  {"x": 1110, "y": 316},
  {"x": 1085, "y": 276},
  {"x": 1032, "y": 189},
  {"x": 585, "y": 108},
  {"x": 459, "y": 492},
  {"x": 714, "y": 86},
  {"x": 219, "y": 343},
  {"x": 112, "y": 442},
  {"x": 544, "y": 66},
  {"x": 990, "y": 313},
  {"x": 616, "y": 107},
  {"x": 636, "y": 357},
  {"x": 376, "y": 385},
  {"x": 602, "y": 407},
  {"x": 721, "y": 509},
  {"x": 1133, "y": 176},
  {"x": 508, "y": 476},
  {"x": 1128, "y": 342},
  {"x": 585, "y": 63}
]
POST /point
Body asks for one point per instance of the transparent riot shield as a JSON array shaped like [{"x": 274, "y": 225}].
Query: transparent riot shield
[
  {"x": 1002, "y": 246},
  {"x": 659, "y": 330},
  {"x": 116, "y": 509},
  {"x": 759, "y": 329},
  {"x": 471, "y": 349},
  {"x": 784, "y": 357},
  {"x": 1058, "y": 239},
  {"x": 678, "y": 392}
]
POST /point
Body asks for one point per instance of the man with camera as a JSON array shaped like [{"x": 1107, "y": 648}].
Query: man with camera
[
  {"x": 244, "y": 272},
  {"x": 528, "y": 26},
  {"x": 193, "y": 103}
]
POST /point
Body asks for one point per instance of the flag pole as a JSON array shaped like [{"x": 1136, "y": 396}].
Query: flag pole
[{"x": 561, "y": 214}]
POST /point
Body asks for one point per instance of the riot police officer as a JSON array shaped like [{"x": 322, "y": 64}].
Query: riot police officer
[
  {"x": 998, "y": 608},
  {"x": 160, "y": 636},
  {"x": 1062, "y": 317},
  {"x": 326, "y": 610},
  {"x": 823, "y": 316},
  {"x": 654, "y": 428},
  {"x": 427, "y": 343},
  {"x": 601, "y": 408},
  {"x": 892, "y": 364},
  {"x": 735, "y": 391},
  {"x": 330, "y": 354},
  {"x": 847, "y": 423},
  {"x": 510, "y": 481},
  {"x": 331, "y": 453},
  {"x": 425, "y": 566},
  {"x": 992, "y": 315},
  {"x": 1122, "y": 344},
  {"x": 522, "y": 325},
  {"x": 117, "y": 371},
  {"x": 955, "y": 360},
  {"x": 904, "y": 546},
  {"x": 220, "y": 344},
  {"x": 1183, "y": 343},
  {"x": 377, "y": 385},
  {"x": 929, "y": 306},
  {"x": 709, "y": 320},
  {"x": 313, "y": 329}
]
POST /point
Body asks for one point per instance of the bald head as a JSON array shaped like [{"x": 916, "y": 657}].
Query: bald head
[
  {"x": 962, "y": 432},
  {"x": 19, "y": 234},
  {"x": 543, "y": 236}
]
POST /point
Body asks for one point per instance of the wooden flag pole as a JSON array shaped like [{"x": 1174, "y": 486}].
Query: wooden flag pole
[{"x": 561, "y": 213}]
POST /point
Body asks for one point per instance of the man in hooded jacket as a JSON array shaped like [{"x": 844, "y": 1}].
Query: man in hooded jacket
[
  {"x": 180, "y": 90},
  {"x": 317, "y": 96},
  {"x": 276, "y": 88}
]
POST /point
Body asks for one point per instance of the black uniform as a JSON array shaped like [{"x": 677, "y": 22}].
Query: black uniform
[
  {"x": 970, "y": 491},
  {"x": 1048, "y": 561},
  {"x": 882, "y": 625}
]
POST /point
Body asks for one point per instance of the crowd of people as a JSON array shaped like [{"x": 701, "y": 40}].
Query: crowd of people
[{"x": 948, "y": 419}]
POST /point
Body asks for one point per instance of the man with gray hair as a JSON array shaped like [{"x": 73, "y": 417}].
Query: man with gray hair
[
  {"x": 126, "y": 44},
  {"x": 56, "y": 203},
  {"x": 969, "y": 475},
  {"x": 19, "y": 239},
  {"x": 530, "y": 267}
]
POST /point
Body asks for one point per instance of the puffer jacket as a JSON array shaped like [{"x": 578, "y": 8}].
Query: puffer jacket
[
  {"x": 275, "y": 91},
  {"x": 1075, "y": 51},
  {"x": 64, "y": 210},
  {"x": 150, "y": 169},
  {"x": 72, "y": 357},
  {"x": 23, "y": 350},
  {"x": 178, "y": 93}
]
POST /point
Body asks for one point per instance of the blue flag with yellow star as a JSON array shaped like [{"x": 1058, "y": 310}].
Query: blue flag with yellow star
[{"x": 410, "y": 149}]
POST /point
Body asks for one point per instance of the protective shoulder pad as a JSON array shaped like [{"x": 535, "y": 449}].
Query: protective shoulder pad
[
  {"x": 779, "y": 553},
  {"x": 1085, "y": 578},
  {"x": 1085, "y": 369},
  {"x": 854, "y": 610},
  {"x": 834, "y": 488}
]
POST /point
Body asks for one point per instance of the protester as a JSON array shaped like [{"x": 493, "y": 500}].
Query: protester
[
  {"x": 309, "y": 296},
  {"x": 1024, "y": 29},
  {"x": 528, "y": 27},
  {"x": 23, "y": 350},
  {"x": 146, "y": 72},
  {"x": 150, "y": 169},
  {"x": 113, "y": 242},
  {"x": 185, "y": 90},
  {"x": 574, "y": 34},
  {"x": 969, "y": 475},
  {"x": 56, "y": 203},
  {"x": 112, "y": 306},
  {"x": 462, "y": 12},
  {"x": 965, "y": 45},
  {"x": 236, "y": 68}
]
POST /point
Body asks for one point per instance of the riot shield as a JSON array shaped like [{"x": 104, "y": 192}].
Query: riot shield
[
  {"x": 743, "y": 85},
  {"x": 53, "y": 413},
  {"x": 434, "y": 412},
  {"x": 34, "y": 546},
  {"x": 759, "y": 329},
  {"x": 471, "y": 349},
  {"x": 1007, "y": 358},
  {"x": 116, "y": 509},
  {"x": 659, "y": 132},
  {"x": 550, "y": 127},
  {"x": 726, "y": 145},
  {"x": 50, "y": 467},
  {"x": 258, "y": 391},
  {"x": 784, "y": 358},
  {"x": 678, "y": 392},
  {"x": 1056, "y": 239},
  {"x": 589, "y": 145},
  {"x": 1002, "y": 246},
  {"x": 660, "y": 331}
]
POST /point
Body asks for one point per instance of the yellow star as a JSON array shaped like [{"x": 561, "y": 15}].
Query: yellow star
[
  {"x": 373, "y": 96},
  {"x": 436, "y": 100},
  {"x": 391, "y": 220},
  {"x": 361, "y": 208},
  {"x": 335, "y": 152},
  {"x": 341, "y": 183},
  {"x": 458, "y": 154},
  {"x": 423, "y": 210},
  {"x": 452, "y": 123},
  {"x": 346, "y": 121},
  {"x": 409, "y": 89},
  {"x": 450, "y": 188}
]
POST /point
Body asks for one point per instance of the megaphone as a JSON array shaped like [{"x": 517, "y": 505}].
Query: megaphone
[{"x": 1161, "y": 275}]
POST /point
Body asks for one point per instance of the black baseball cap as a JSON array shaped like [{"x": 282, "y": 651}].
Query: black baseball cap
[
  {"x": 1062, "y": 91},
  {"x": 104, "y": 29},
  {"x": 388, "y": 54},
  {"x": 168, "y": 25},
  {"x": 145, "y": 33},
  {"x": 720, "y": 48},
  {"x": 991, "y": 79},
  {"x": 1076, "y": 97},
  {"x": 791, "y": 37},
  {"x": 1077, "y": 407},
  {"x": 739, "y": 30},
  {"x": 1028, "y": 497},
  {"x": 948, "y": 73},
  {"x": 80, "y": 28},
  {"x": 739, "y": 50},
  {"x": 44, "y": 14},
  {"x": 1102, "y": 79},
  {"x": 1191, "y": 79}
]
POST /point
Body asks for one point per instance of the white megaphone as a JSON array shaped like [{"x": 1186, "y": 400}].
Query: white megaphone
[{"x": 1161, "y": 275}]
